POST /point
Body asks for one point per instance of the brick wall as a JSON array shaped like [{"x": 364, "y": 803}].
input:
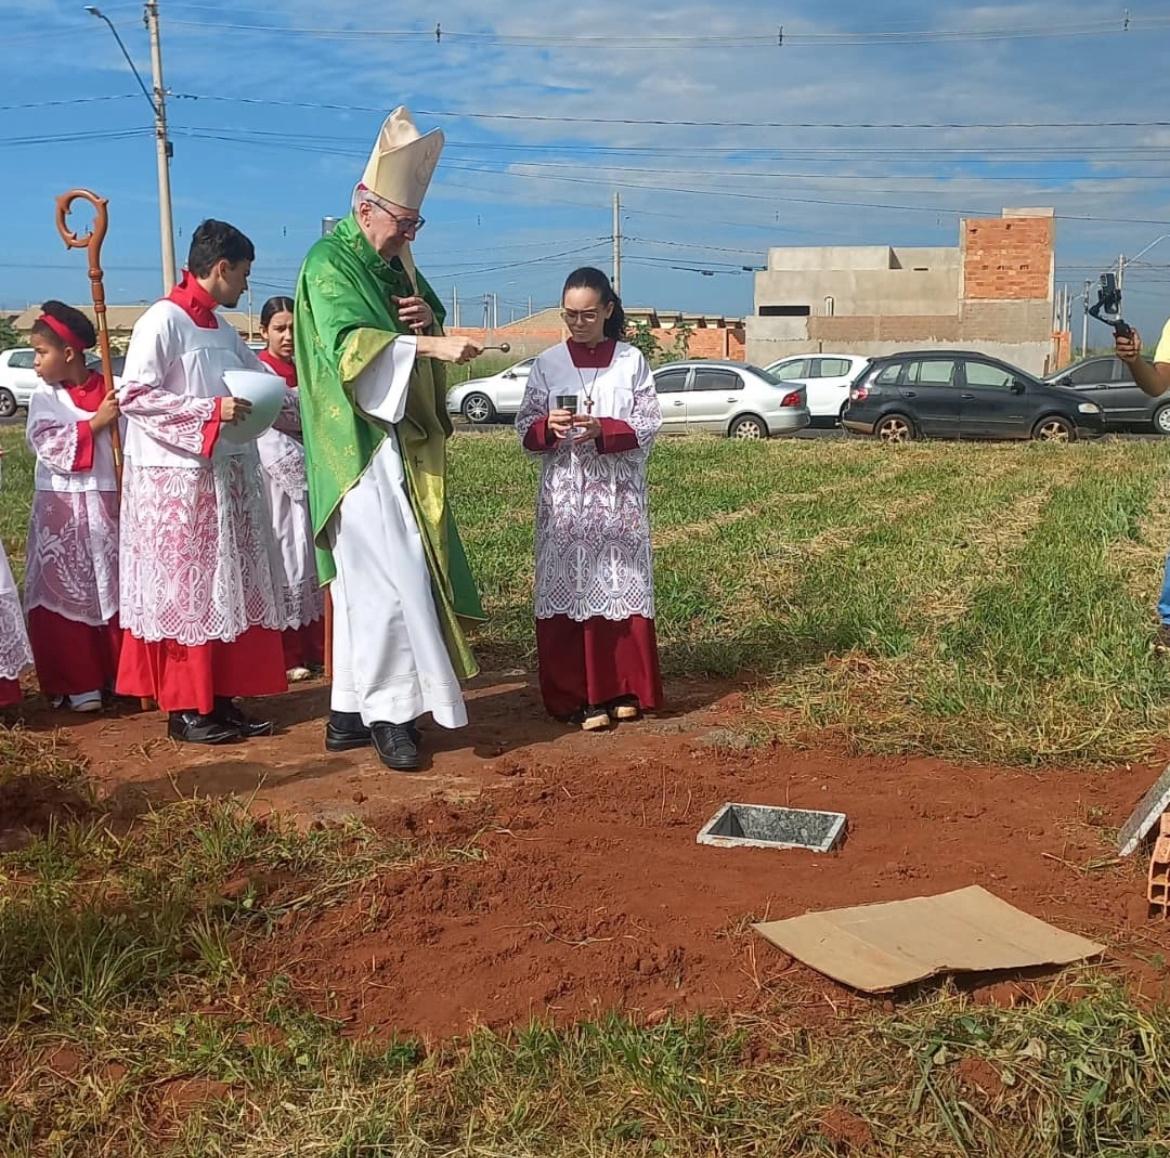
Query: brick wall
[
  {"x": 713, "y": 342},
  {"x": 1007, "y": 259}
]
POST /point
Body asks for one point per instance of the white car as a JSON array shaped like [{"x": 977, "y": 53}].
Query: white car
[
  {"x": 827, "y": 377},
  {"x": 18, "y": 379},
  {"x": 485, "y": 399},
  {"x": 729, "y": 398}
]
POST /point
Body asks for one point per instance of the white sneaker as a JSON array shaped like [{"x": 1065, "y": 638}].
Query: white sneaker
[
  {"x": 298, "y": 675},
  {"x": 85, "y": 702}
]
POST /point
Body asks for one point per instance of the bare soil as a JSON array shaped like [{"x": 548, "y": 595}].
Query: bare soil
[{"x": 582, "y": 889}]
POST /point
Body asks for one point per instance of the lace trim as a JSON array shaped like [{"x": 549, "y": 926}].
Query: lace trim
[{"x": 198, "y": 557}]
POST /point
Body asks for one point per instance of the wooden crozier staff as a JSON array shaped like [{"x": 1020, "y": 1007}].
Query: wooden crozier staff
[{"x": 92, "y": 243}]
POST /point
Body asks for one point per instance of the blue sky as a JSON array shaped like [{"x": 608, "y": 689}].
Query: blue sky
[{"x": 518, "y": 202}]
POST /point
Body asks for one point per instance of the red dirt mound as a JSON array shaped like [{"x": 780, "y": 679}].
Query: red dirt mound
[{"x": 585, "y": 890}]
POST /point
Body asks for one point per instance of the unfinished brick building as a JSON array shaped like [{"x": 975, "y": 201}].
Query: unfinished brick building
[{"x": 992, "y": 293}]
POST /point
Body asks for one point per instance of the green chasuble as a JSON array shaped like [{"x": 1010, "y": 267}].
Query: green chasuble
[{"x": 344, "y": 319}]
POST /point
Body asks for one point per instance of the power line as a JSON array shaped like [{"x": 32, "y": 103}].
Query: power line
[
  {"x": 775, "y": 38},
  {"x": 70, "y": 138},
  {"x": 659, "y": 122},
  {"x": 90, "y": 100}
]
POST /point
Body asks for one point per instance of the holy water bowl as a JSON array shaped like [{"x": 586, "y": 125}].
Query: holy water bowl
[{"x": 265, "y": 392}]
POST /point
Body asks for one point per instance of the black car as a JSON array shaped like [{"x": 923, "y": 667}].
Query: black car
[
  {"x": 1124, "y": 405},
  {"x": 959, "y": 394}
]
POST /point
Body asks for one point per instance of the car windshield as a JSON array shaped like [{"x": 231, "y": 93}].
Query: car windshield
[{"x": 767, "y": 375}]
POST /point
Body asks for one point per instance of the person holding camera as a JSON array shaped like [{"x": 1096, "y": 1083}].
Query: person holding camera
[{"x": 1153, "y": 378}]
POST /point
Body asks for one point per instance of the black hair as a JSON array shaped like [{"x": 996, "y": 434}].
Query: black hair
[
  {"x": 272, "y": 307},
  {"x": 69, "y": 316},
  {"x": 587, "y": 277},
  {"x": 217, "y": 241}
]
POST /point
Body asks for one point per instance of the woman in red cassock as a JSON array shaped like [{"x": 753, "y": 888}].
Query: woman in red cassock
[
  {"x": 71, "y": 581},
  {"x": 590, "y": 413}
]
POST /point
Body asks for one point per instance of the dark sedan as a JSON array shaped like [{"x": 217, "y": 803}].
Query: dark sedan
[
  {"x": 959, "y": 394},
  {"x": 1124, "y": 405}
]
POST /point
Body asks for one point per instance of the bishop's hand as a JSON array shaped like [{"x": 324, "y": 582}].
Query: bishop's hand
[{"x": 415, "y": 313}]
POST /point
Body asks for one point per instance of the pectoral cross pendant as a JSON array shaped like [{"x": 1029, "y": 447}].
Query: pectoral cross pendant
[{"x": 589, "y": 406}]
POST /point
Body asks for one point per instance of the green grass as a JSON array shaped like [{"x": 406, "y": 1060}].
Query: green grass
[
  {"x": 983, "y": 602},
  {"x": 125, "y": 980}
]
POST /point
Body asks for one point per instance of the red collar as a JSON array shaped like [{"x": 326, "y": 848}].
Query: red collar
[
  {"x": 285, "y": 369},
  {"x": 195, "y": 302},
  {"x": 596, "y": 358},
  {"x": 88, "y": 396}
]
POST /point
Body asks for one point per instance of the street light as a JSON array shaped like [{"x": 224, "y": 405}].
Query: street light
[
  {"x": 1124, "y": 261},
  {"x": 163, "y": 147}
]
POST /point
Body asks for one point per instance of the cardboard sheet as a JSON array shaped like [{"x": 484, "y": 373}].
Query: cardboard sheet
[{"x": 876, "y": 948}]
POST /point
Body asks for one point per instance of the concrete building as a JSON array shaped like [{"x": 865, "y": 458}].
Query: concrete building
[{"x": 992, "y": 293}]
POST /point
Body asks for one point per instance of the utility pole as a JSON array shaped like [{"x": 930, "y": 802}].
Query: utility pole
[
  {"x": 162, "y": 143},
  {"x": 617, "y": 244},
  {"x": 1085, "y": 321},
  {"x": 163, "y": 147},
  {"x": 1120, "y": 270},
  {"x": 455, "y": 306},
  {"x": 530, "y": 307},
  {"x": 495, "y": 312}
]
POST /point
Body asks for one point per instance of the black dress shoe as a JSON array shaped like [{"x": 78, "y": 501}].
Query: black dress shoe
[
  {"x": 226, "y": 712},
  {"x": 345, "y": 731},
  {"x": 396, "y": 746},
  {"x": 196, "y": 728}
]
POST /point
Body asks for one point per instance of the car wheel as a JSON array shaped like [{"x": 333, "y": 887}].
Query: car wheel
[
  {"x": 478, "y": 408},
  {"x": 7, "y": 403},
  {"x": 749, "y": 426},
  {"x": 895, "y": 428},
  {"x": 1054, "y": 429},
  {"x": 1162, "y": 420}
]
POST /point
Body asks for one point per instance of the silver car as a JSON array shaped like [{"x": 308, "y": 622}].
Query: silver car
[
  {"x": 728, "y": 398},
  {"x": 485, "y": 400}
]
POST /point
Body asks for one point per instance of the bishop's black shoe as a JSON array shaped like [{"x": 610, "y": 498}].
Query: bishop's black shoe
[
  {"x": 396, "y": 745},
  {"x": 345, "y": 731},
  {"x": 196, "y": 728},
  {"x": 227, "y": 713}
]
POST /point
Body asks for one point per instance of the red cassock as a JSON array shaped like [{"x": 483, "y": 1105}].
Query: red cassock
[
  {"x": 178, "y": 676},
  {"x": 72, "y": 550},
  {"x": 594, "y": 660}
]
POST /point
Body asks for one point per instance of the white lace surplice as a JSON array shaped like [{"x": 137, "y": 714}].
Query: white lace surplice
[
  {"x": 282, "y": 461},
  {"x": 15, "y": 655},
  {"x": 593, "y": 554},
  {"x": 72, "y": 567},
  {"x": 199, "y": 561}
]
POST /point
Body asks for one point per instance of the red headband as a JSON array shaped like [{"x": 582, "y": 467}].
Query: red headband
[{"x": 63, "y": 332}]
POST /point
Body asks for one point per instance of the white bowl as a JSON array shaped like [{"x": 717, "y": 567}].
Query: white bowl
[{"x": 266, "y": 393}]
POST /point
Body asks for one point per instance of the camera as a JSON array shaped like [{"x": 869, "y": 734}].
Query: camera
[{"x": 1108, "y": 307}]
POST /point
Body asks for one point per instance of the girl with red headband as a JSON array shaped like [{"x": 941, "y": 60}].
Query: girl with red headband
[{"x": 71, "y": 584}]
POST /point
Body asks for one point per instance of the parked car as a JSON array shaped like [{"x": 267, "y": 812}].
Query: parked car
[
  {"x": 730, "y": 398},
  {"x": 486, "y": 399},
  {"x": 827, "y": 378},
  {"x": 94, "y": 361},
  {"x": 18, "y": 379},
  {"x": 958, "y": 394},
  {"x": 1124, "y": 405}
]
